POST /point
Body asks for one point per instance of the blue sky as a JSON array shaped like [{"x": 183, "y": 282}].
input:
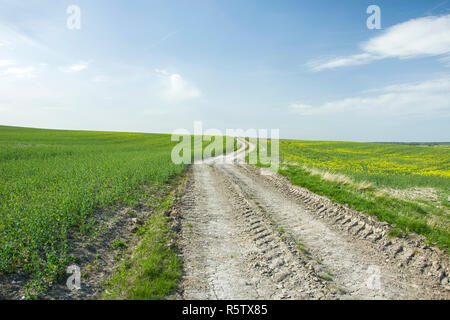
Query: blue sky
[{"x": 309, "y": 68}]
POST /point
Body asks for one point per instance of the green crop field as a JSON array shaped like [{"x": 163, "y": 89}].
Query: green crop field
[
  {"x": 52, "y": 181},
  {"x": 407, "y": 186}
]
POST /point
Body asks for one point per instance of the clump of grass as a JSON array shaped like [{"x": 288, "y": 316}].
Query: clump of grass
[
  {"x": 325, "y": 276},
  {"x": 131, "y": 213},
  {"x": 395, "y": 232},
  {"x": 301, "y": 247},
  {"x": 118, "y": 245}
]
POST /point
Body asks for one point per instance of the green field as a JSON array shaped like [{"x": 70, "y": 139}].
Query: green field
[
  {"x": 52, "y": 181},
  {"x": 407, "y": 186}
]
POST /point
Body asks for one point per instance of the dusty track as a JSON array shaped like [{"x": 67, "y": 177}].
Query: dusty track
[{"x": 251, "y": 236}]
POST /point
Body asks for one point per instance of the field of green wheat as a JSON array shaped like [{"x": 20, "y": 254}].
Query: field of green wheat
[{"x": 52, "y": 181}]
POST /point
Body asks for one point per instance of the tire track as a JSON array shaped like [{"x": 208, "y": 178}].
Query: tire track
[
  {"x": 349, "y": 243},
  {"x": 250, "y": 236},
  {"x": 231, "y": 250}
]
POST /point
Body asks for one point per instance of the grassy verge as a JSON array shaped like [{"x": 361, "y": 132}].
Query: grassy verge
[
  {"x": 153, "y": 269},
  {"x": 405, "y": 216}
]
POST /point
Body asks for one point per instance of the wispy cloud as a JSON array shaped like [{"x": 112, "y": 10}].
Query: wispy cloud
[
  {"x": 77, "y": 67},
  {"x": 10, "y": 68},
  {"x": 356, "y": 59},
  {"x": 439, "y": 6},
  {"x": 6, "y": 63},
  {"x": 176, "y": 88},
  {"x": 164, "y": 38},
  {"x": 422, "y": 37},
  {"x": 162, "y": 72},
  {"x": 420, "y": 98},
  {"x": 19, "y": 72},
  {"x": 13, "y": 36}
]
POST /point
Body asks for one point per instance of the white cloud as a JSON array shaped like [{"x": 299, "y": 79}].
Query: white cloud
[
  {"x": 6, "y": 63},
  {"x": 162, "y": 72},
  {"x": 403, "y": 99},
  {"x": 77, "y": 67},
  {"x": 176, "y": 88},
  {"x": 428, "y": 36},
  {"x": 356, "y": 59},
  {"x": 435, "y": 85},
  {"x": 19, "y": 72},
  {"x": 303, "y": 109}
]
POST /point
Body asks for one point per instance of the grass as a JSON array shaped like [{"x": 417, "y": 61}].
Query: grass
[
  {"x": 301, "y": 247},
  {"x": 118, "y": 245},
  {"x": 367, "y": 176},
  {"x": 326, "y": 276},
  {"x": 154, "y": 267},
  {"x": 52, "y": 181}
]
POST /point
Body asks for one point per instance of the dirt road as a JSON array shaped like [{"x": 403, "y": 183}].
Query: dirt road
[{"x": 251, "y": 236}]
